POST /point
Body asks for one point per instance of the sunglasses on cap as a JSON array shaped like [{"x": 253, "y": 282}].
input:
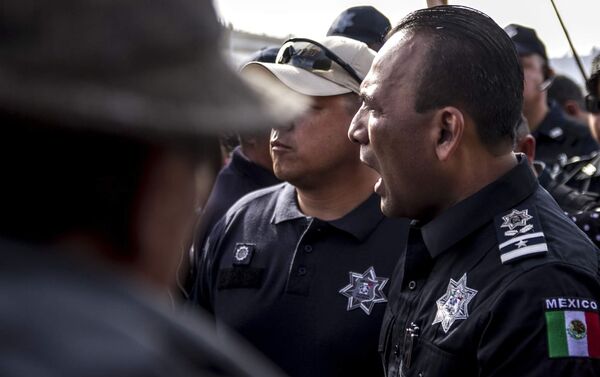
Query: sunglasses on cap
[
  {"x": 313, "y": 57},
  {"x": 592, "y": 104}
]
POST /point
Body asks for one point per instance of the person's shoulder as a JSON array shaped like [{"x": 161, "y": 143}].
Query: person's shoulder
[
  {"x": 536, "y": 232},
  {"x": 259, "y": 198},
  {"x": 258, "y": 204}
]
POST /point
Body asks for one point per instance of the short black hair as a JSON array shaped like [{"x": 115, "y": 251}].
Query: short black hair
[
  {"x": 472, "y": 64},
  {"x": 564, "y": 89}
]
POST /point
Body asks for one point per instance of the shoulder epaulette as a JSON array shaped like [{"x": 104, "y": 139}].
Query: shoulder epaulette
[{"x": 520, "y": 234}]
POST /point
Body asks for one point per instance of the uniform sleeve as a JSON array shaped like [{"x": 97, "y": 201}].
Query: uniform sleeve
[
  {"x": 544, "y": 324},
  {"x": 206, "y": 270}
]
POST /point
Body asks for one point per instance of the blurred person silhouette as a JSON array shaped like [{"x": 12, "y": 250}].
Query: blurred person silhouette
[
  {"x": 592, "y": 100},
  {"x": 569, "y": 96},
  {"x": 557, "y": 136},
  {"x": 583, "y": 172},
  {"x": 109, "y": 110}
]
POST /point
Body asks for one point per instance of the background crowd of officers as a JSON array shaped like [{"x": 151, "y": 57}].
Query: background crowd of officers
[{"x": 416, "y": 199}]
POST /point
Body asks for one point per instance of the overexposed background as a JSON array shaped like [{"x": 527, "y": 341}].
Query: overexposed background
[{"x": 312, "y": 18}]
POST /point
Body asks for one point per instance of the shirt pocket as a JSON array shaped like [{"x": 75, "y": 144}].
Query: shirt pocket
[
  {"x": 432, "y": 361},
  {"x": 240, "y": 277}
]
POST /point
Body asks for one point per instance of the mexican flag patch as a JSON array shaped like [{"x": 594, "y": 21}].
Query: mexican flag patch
[{"x": 573, "y": 333}]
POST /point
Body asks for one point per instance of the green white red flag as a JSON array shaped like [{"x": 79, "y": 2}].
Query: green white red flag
[{"x": 573, "y": 334}]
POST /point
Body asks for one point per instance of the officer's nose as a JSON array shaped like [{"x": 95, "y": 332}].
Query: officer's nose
[
  {"x": 358, "y": 132},
  {"x": 278, "y": 131}
]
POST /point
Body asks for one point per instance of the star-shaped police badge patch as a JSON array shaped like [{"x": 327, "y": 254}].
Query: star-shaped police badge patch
[
  {"x": 364, "y": 290},
  {"x": 453, "y": 304},
  {"x": 516, "y": 219}
]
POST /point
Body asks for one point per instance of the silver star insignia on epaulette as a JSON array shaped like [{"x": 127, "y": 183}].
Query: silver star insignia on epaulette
[
  {"x": 364, "y": 290},
  {"x": 516, "y": 219},
  {"x": 453, "y": 305}
]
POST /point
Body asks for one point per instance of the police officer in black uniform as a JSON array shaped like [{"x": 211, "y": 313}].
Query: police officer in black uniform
[
  {"x": 583, "y": 172},
  {"x": 301, "y": 269},
  {"x": 250, "y": 168},
  {"x": 557, "y": 136},
  {"x": 495, "y": 280}
]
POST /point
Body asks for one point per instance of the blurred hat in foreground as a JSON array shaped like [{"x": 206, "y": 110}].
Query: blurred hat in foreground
[{"x": 144, "y": 68}]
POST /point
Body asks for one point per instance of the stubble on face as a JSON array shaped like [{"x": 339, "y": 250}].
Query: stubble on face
[
  {"x": 315, "y": 146},
  {"x": 398, "y": 135}
]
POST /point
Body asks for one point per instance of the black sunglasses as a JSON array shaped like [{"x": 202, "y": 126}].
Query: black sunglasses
[
  {"x": 592, "y": 104},
  {"x": 312, "y": 56}
]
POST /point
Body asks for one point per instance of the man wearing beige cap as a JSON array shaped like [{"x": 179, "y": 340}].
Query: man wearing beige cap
[
  {"x": 106, "y": 119},
  {"x": 301, "y": 269}
]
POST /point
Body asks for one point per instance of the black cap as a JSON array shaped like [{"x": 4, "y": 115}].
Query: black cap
[
  {"x": 363, "y": 23},
  {"x": 526, "y": 41},
  {"x": 265, "y": 55}
]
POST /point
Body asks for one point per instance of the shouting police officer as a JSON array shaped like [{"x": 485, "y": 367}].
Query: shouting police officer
[
  {"x": 495, "y": 279},
  {"x": 301, "y": 269}
]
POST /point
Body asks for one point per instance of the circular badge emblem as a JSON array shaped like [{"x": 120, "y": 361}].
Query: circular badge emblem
[
  {"x": 241, "y": 253},
  {"x": 576, "y": 329}
]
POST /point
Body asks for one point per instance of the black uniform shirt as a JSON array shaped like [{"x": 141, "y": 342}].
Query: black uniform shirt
[
  {"x": 239, "y": 177},
  {"x": 558, "y": 135},
  {"x": 309, "y": 294},
  {"x": 497, "y": 285}
]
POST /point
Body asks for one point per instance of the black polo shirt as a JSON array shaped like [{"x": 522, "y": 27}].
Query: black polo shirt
[
  {"x": 239, "y": 177},
  {"x": 557, "y": 135},
  {"x": 309, "y": 294},
  {"x": 501, "y": 284}
]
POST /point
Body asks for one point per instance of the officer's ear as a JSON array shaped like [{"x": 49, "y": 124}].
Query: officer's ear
[
  {"x": 450, "y": 125},
  {"x": 527, "y": 145},
  {"x": 572, "y": 108}
]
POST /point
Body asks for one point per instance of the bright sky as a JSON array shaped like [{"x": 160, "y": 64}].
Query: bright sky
[{"x": 311, "y": 18}]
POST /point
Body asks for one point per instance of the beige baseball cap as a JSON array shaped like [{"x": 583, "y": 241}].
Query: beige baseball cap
[{"x": 327, "y": 67}]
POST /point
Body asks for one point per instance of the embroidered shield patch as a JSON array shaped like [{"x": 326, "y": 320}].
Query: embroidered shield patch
[{"x": 242, "y": 253}]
